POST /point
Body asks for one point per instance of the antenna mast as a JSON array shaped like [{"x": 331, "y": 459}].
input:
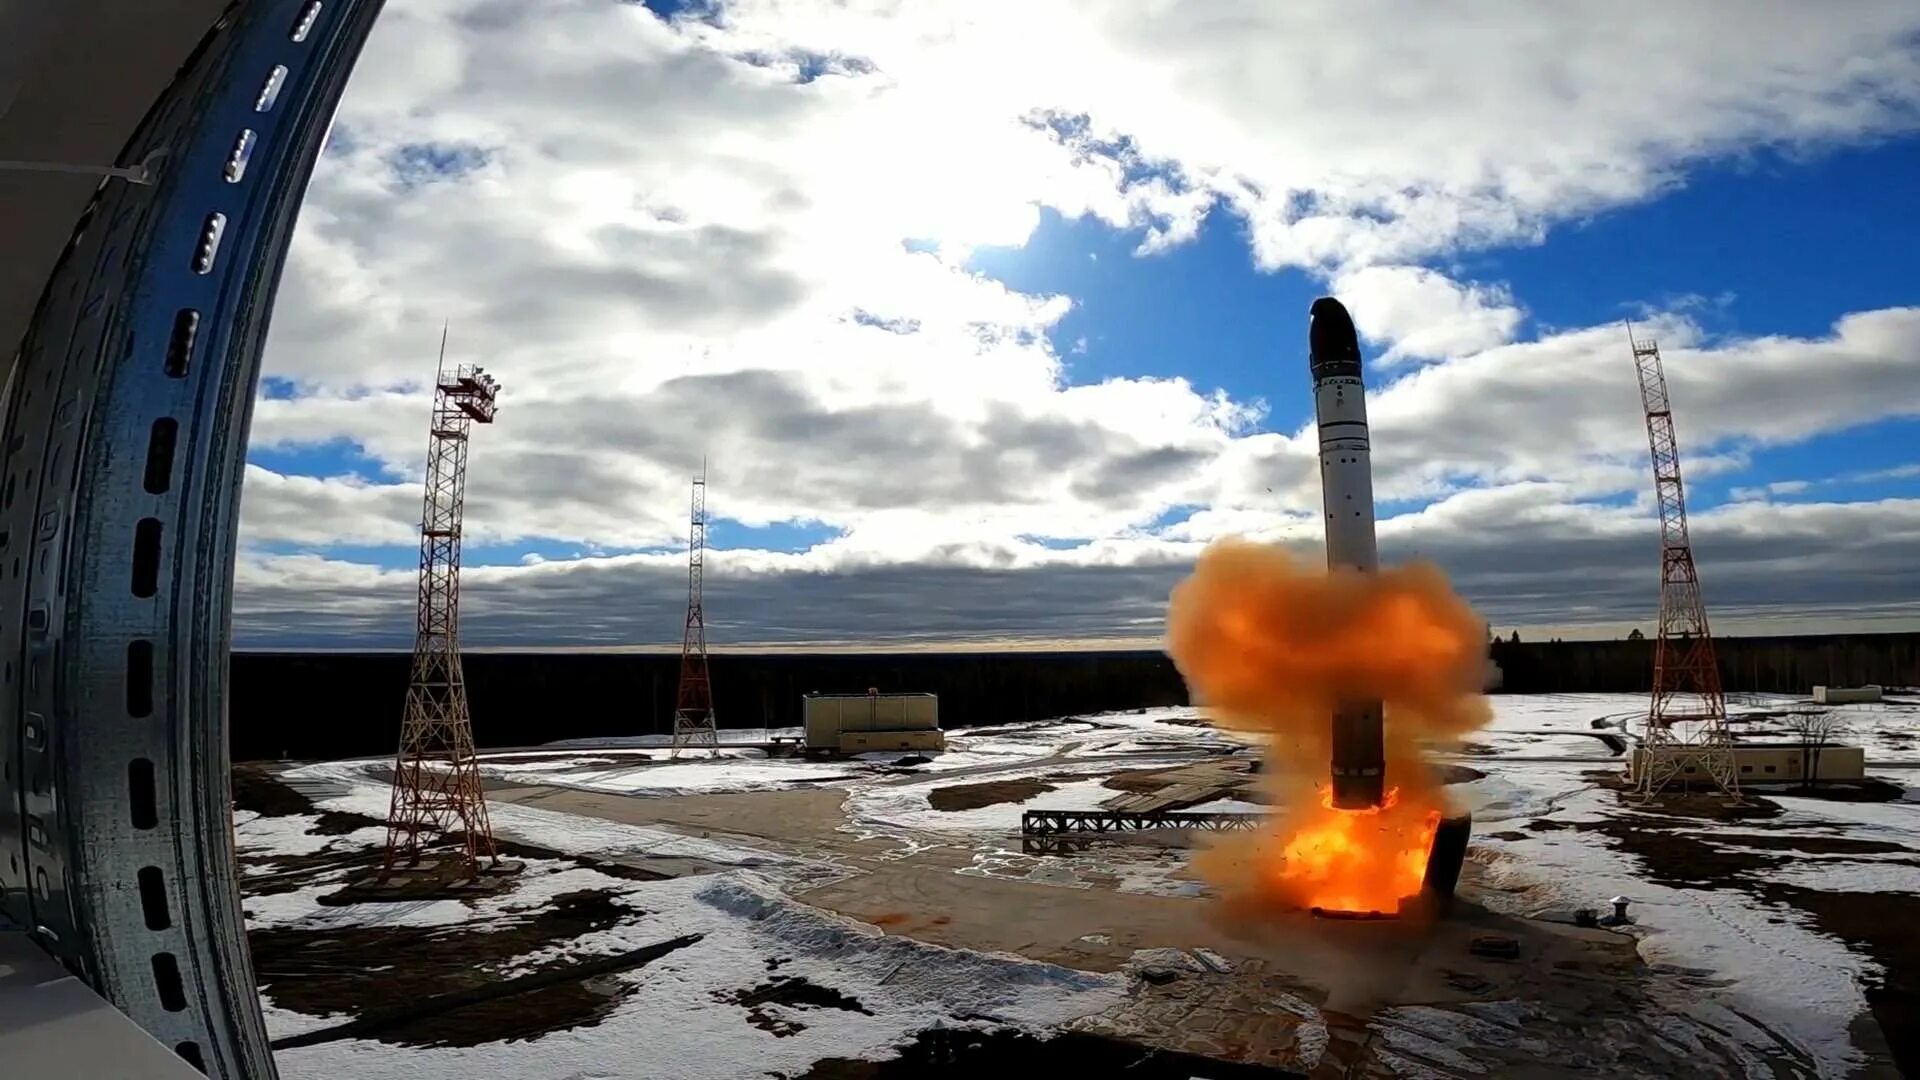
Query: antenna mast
[
  {"x": 693, "y": 725},
  {"x": 1686, "y": 731},
  {"x": 436, "y": 782}
]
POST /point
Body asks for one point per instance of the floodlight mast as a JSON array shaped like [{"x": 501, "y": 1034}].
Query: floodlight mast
[{"x": 437, "y": 793}]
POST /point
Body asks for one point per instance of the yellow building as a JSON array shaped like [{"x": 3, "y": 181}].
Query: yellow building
[
  {"x": 1776, "y": 763},
  {"x": 1846, "y": 695},
  {"x": 859, "y": 723}
]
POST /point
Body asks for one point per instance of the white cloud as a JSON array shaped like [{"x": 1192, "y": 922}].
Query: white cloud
[
  {"x": 318, "y": 511},
  {"x": 744, "y": 241},
  {"x": 1567, "y": 407},
  {"x": 1423, "y": 313},
  {"x": 1896, "y": 472},
  {"x": 1767, "y": 491},
  {"x": 1389, "y": 130},
  {"x": 1849, "y": 561}
]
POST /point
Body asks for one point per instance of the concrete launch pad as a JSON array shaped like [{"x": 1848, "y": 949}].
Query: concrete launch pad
[
  {"x": 445, "y": 878},
  {"x": 1576, "y": 976},
  {"x": 1575, "y": 980}
]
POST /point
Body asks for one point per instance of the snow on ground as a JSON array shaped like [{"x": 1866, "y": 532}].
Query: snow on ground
[
  {"x": 1147, "y": 731},
  {"x": 566, "y": 833},
  {"x": 583, "y": 763},
  {"x": 740, "y": 768},
  {"x": 726, "y": 735},
  {"x": 1514, "y": 793},
  {"x": 750, "y": 928},
  {"x": 284, "y": 1022},
  {"x": 908, "y": 808},
  {"x": 751, "y": 933},
  {"x": 1851, "y": 875},
  {"x": 699, "y": 776},
  {"x": 1556, "y": 724},
  {"x": 1779, "y": 967},
  {"x": 302, "y": 908},
  {"x": 291, "y": 836},
  {"x": 1803, "y": 983},
  {"x": 1230, "y": 806},
  {"x": 550, "y": 760},
  {"x": 964, "y": 753},
  {"x": 1782, "y": 969},
  {"x": 1889, "y": 731}
]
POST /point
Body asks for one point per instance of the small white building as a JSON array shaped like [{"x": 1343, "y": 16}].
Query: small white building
[
  {"x": 1774, "y": 763},
  {"x": 858, "y": 723},
  {"x": 1845, "y": 695}
]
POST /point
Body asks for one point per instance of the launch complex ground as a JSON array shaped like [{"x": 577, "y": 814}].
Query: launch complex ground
[{"x": 750, "y": 916}]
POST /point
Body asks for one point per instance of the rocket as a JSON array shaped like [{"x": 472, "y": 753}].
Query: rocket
[{"x": 1346, "y": 496}]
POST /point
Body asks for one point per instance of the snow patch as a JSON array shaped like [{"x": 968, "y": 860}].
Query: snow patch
[
  {"x": 1003, "y": 986},
  {"x": 908, "y": 808}
]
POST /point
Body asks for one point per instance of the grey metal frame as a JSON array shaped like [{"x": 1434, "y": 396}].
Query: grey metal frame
[
  {"x": 125, "y": 440},
  {"x": 1051, "y": 822}
]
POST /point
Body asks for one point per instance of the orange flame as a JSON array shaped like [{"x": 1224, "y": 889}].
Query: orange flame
[
  {"x": 1271, "y": 646},
  {"x": 1356, "y": 860}
]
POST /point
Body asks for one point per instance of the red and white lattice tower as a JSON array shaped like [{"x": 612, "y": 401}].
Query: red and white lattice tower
[
  {"x": 1685, "y": 733},
  {"x": 693, "y": 725},
  {"x": 436, "y": 782}
]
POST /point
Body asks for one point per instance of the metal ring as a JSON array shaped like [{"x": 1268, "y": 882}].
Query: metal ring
[{"x": 126, "y": 429}]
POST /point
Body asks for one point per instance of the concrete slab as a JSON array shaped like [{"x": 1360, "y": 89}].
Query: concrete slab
[
  {"x": 52, "y": 1024},
  {"x": 1344, "y": 998},
  {"x": 430, "y": 879}
]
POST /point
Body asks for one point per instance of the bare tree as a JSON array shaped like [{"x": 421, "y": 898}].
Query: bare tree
[{"x": 1813, "y": 730}]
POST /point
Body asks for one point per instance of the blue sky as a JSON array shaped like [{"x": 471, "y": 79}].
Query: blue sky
[
  {"x": 805, "y": 240},
  {"x": 1792, "y": 241},
  {"x": 1767, "y": 244},
  {"x": 1200, "y": 311}
]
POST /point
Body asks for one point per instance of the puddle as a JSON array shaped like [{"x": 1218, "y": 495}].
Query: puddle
[
  {"x": 361, "y": 972},
  {"x": 960, "y": 1052},
  {"x": 764, "y": 1003}
]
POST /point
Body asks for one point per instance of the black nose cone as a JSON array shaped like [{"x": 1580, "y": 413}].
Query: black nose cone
[{"x": 1332, "y": 346}]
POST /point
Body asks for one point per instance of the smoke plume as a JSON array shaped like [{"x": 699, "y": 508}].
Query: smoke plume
[{"x": 1270, "y": 645}]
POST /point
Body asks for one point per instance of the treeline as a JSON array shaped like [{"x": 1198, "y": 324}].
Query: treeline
[
  {"x": 312, "y": 705},
  {"x": 317, "y": 705},
  {"x": 1787, "y": 665}
]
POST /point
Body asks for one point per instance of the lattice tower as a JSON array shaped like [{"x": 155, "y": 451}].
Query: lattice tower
[
  {"x": 693, "y": 723},
  {"x": 436, "y": 782},
  {"x": 1685, "y": 734}
]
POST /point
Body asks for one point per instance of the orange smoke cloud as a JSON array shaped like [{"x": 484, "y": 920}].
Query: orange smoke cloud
[{"x": 1268, "y": 644}]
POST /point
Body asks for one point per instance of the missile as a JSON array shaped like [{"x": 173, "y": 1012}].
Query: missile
[{"x": 1346, "y": 496}]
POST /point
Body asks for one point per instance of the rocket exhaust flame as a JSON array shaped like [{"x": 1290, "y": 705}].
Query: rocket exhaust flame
[
  {"x": 1346, "y": 672},
  {"x": 1271, "y": 645}
]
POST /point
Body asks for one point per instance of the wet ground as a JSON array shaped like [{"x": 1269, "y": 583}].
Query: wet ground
[
  {"x": 958, "y": 1053},
  {"x": 454, "y": 985},
  {"x": 788, "y": 992},
  {"x": 1582, "y": 987},
  {"x": 987, "y": 793},
  {"x": 1676, "y": 852}
]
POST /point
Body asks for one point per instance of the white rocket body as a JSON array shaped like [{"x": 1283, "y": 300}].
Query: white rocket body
[
  {"x": 1346, "y": 495},
  {"x": 1346, "y": 472}
]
